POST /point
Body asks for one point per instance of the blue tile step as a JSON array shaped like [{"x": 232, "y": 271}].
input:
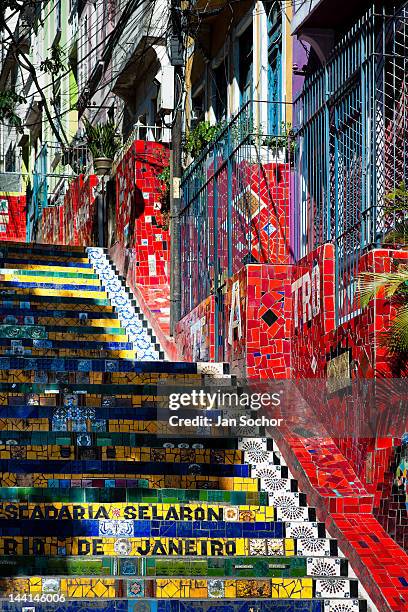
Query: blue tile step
[
  {"x": 21, "y": 284},
  {"x": 152, "y": 367},
  {"x": 94, "y": 466},
  {"x": 40, "y": 249},
  {"x": 10, "y": 299},
  {"x": 107, "y": 438},
  {"x": 16, "y": 259},
  {"x": 173, "y": 605},
  {"x": 76, "y": 364},
  {"x": 54, "y": 314},
  {"x": 69, "y": 344},
  {"x": 155, "y": 528},
  {"x": 140, "y": 494}
]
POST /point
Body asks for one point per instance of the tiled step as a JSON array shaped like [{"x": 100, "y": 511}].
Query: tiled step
[
  {"x": 127, "y": 453},
  {"x": 83, "y": 465},
  {"x": 29, "y": 252},
  {"x": 179, "y": 605},
  {"x": 160, "y": 528},
  {"x": 17, "y": 262},
  {"x": 10, "y": 299},
  {"x": 212, "y": 567},
  {"x": 30, "y": 347},
  {"x": 191, "y": 588},
  {"x": 25, "y": 274},
  {"x": 20, "y": 266},
  {"x": 141, "y": 494},
  {"x": 69, "y": 322},
  {"x": 109, "y": 439},
  {"x": 89, "y": 478},
  {"x": 81, "y": 432},
  {"x": 156, "y": 545},
  {"x": 50, "y": 282}
]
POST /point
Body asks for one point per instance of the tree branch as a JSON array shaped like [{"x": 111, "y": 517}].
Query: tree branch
[{"x": 27, "y": 65}]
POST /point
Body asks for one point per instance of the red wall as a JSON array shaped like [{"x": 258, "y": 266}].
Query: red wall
[
  {"x": 142, "y": 236},
  {"x": 255, "y": 324},
  {"x": 13, "y": 217},
  {"x": 51, "y": 229},
  {"x": 142, "y": 249},
  {"x": 73, "y": 223}
]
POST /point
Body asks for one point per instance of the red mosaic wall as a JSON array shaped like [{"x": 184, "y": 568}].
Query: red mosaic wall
[
  {"x": 13, "y": 217},
  {"x": 142, "y": 249},
  {"x": 260, "y": 199},
  {"x": 73, "y": 223},
  {"x": 51, "y": 228},
  {"x": 85, "y": 219},
  {"x": 196, "y": 333},
  {"x": 71, "y": 204},
  {"x": 141, "y": 228},
  {"x": 256, "y": 324}
]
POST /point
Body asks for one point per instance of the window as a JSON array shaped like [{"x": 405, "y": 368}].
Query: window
[
  {"x": 274, "y": 23},
  {"x": 245, "y": 67},
  {"x": 220, "y": 91},
  {"x": 197, "y": 107},
  {"x": 10, "y": 160}
]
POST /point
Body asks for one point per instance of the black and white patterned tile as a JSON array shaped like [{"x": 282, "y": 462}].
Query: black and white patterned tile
[{"x": 137, "y": 329}]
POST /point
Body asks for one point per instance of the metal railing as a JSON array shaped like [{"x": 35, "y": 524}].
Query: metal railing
[
  {"x": 53, "y": 168},
  {"x": 352, "y": 119},
  {"x": 236, "y": 202},
  {"x": 140, "y": 131}
]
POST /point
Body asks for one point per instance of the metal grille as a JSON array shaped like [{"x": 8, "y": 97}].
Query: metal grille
[
  {"x": 54, "y": 166},
  {"x": 351, "y": 120},
  {"x": 235, "y": 199}
]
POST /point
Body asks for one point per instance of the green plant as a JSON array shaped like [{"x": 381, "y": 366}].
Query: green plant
[
  {"x": 9, "y": 99},
  {"x": 285, "y": 140},
  {"x": 399, "y": 235},
  {"x": 397, "y": 199},
  {"x": 102, "y": 139},
  {"x": 390, "y": 285},
  {"x": 164, "y": 178},
  {"x": 200, "y": 137},
  {"x": 54, "y": 63}
]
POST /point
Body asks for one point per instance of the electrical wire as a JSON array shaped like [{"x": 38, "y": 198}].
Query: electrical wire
[{"x": 105, "y": 84}]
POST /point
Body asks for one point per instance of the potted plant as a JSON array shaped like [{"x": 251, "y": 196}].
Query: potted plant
[{"x": 103, "y": 144}]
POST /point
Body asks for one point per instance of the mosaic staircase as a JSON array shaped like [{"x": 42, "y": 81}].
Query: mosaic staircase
[{"x": 99, "y": 508}]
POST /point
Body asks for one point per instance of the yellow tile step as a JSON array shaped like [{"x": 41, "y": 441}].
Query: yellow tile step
[
  {"x": 143, "y": 547},
  {"x": 194, "y": 511},
  {"x": 79, "y": 293},
  {"x": 6, "y": 278},
  {"x": 126, "y": 453},
  {"x": 166, "y": 588},
  {"x": 45, "y": 268}
]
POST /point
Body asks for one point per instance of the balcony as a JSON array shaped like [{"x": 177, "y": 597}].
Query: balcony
[
  {"x": 352, "y": 119},
  {"x": 133, "y": 54},
  {"x": 148, "y": 133},
  {"x": 324, "y": 19},
  {"x": 235, "y": 208}
]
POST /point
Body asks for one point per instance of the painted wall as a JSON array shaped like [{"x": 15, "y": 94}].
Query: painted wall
[
  {"x": 142, "y": 248},
  {"x": 255, "y": 328},
  {"x": 12, "y": 217},
  {"x": 72, "y": 223}
]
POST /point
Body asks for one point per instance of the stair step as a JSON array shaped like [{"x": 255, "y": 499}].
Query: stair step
[{"x": 83, "y": 435}]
